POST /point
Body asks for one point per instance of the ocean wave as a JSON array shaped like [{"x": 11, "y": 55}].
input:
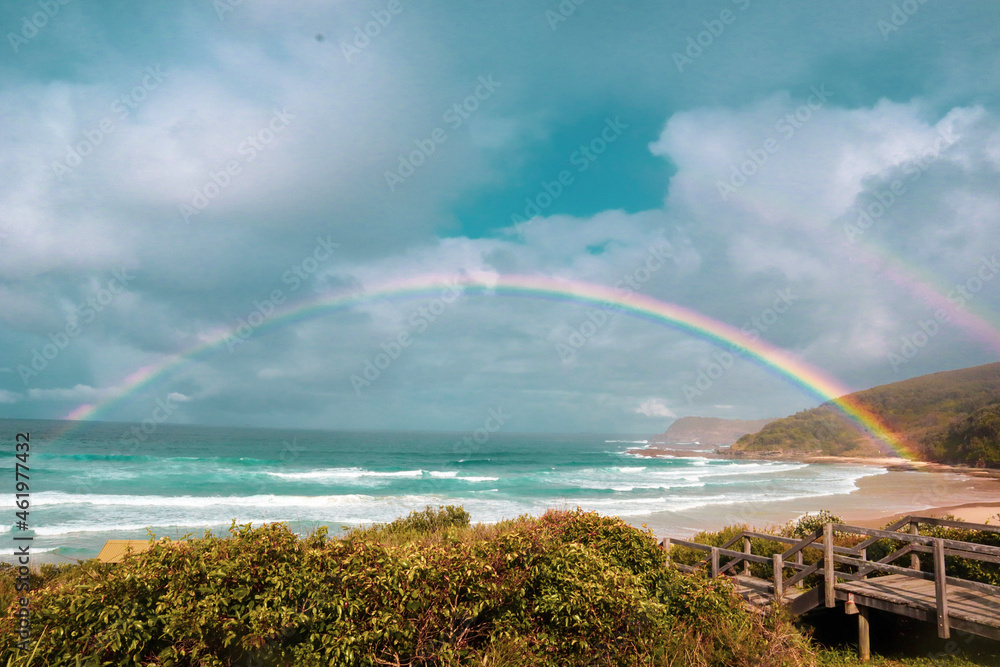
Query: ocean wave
[{"x": 345, "y": 473}]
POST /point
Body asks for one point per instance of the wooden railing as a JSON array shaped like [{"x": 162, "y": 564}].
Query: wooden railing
[
  {"x": 854, "y": 561},
  {"x": 915, "y": 544}
]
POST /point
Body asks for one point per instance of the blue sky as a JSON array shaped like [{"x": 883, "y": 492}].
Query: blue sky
[{"x": 291, "y": 117}]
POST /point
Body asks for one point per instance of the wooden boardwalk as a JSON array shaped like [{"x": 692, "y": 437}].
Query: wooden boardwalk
[{"x": 845, "y": 574}]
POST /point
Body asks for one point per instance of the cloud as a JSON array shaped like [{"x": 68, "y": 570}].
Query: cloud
[
  {"x": 9, "y": 396},
  {"x": 846, "y": 117},
  {"x": 655, "y": 407},
  {"x": 80, "y": 393}
]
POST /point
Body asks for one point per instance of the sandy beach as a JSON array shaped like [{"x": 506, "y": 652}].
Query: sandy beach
[{"x": 898, "y": 488}]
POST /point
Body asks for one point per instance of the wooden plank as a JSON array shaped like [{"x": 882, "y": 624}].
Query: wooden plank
[
  {"x": 948, "y": 523},
  {"x": 115, "y": 551},
  {"x": 830, "y": 576},
  {"x": 972, "y": 606},
  {"x": 778, "y": 574},
  {"x": 957, "y": 553},
  {"x": 806, "y": 601},
  {"x": 892, "y": 527},
  {"x": 887, "y": 560},
  {"x": 802, "y": 544},
  {"x": 734, "y": 540},
  {"x": 882, "y": 567},
  {"x": 746, "y": 552},
  {"x": 914, "y": 558},
  {"x": 802, "y": 575},
  {"x": 864, "y": 635},
  {"x": 941, "y": 590},
  {"x": 715, "y": 562},
  {"x": 691, "y": 545},
  {"x": 755, "y": 584}
]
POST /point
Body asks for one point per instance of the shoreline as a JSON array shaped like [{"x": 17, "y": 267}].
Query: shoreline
[
  {"x": 969, "y": 512},
  {"x": 896, "y": 487},
  {"x": 887, "y": 462}
]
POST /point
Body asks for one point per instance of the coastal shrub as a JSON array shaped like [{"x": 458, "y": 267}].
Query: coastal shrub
[
  {"x": 568, "y": 588},
  {"x": 809, "y": 523}
]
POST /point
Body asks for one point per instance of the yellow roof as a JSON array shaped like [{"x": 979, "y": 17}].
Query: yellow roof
[{"x": 114, "y": 550}]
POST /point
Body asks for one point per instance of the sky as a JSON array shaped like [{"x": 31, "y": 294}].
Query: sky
[{"x": 827, "y": 177}]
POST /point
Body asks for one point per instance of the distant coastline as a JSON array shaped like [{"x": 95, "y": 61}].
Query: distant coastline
[{"x": 679, "y": 450}]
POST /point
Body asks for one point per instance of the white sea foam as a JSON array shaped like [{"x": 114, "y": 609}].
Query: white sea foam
[{"x": 345, "y": 474}]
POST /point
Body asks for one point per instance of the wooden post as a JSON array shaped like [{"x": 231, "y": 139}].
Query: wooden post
[
  {"x": 779, "y": 583},
  {"x": 864, "y": 635},
  {"x": 746, "y": 551},
  {"x": 864, "y": 556},
  {"x": 914, "y": 558},
  {"x": 941, "y": 590},
  {"x": 665, "y": 544},
  {"x": 829, "y": 575},
  {"x": 715, "y": 562}
]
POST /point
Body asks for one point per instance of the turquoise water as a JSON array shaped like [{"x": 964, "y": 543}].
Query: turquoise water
[{"x": 103, "y": 480}]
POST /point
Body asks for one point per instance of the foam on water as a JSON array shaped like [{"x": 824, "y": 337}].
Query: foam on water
[{"x": 186, "y": 479}]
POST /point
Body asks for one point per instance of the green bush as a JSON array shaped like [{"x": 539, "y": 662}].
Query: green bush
[{"x": 568, "y": 588}]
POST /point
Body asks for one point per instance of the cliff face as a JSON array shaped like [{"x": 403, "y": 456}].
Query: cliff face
[
  {"x": 950, "y": 417},
  {"x": 709, "y": 431}
]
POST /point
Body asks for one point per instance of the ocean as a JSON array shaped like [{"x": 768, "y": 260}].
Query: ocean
[{"x": 97, "y": 480}]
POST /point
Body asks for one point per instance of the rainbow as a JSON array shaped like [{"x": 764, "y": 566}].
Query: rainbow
[
  {"x": 914, "y": 279},
  {"x": 776, "y": 360}
]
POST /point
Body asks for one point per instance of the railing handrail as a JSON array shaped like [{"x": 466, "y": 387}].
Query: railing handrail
[
  {"x": 926, "y": 540},
  {"x": 949, "y": 523},
  {"x": 857, "y": 556}
]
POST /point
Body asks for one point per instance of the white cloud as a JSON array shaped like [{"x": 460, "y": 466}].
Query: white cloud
[
  {"x": 9, "y": 396},
  {"x": 655, "y": 407}
]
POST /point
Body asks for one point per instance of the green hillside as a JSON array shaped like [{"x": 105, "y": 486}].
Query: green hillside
[{"x": 949, "y": 417}]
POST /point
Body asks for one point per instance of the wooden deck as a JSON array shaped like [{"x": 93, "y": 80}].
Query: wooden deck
[
  {"x": 847, "y": 575},
  {"x": 970, "y": 611}
]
